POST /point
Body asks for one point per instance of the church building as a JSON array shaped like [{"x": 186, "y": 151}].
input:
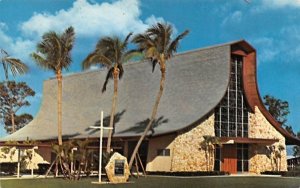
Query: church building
[{"x": 209, "y": 93}]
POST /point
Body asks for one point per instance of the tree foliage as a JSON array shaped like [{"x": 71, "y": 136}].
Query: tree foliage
[
  {"x": 14, "y": 65},
  {"x": 13, "y": 96},
  {"x": 279, "y": 109},
  {"x": 20, "y": 122},
  {"x": 296, "y": 149}
]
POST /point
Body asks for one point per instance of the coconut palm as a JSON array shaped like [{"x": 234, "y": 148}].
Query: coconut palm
[
  {"x": 209, "y": 146},
  {"x": 157, "y": 46},
  {"x": 54, "y": 53},
  {"x": 110, "y": 52},
  {"x": 15, "y": 66}
]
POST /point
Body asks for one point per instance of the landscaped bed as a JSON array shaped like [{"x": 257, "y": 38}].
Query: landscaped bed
[{"x": 163, "y": 182}]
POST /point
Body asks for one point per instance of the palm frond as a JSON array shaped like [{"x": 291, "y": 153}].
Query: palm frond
[
  {"x": 154, "y": 63},
  {"x": 174, "y": 44},
  {"x": 68, "y": 38},
  {"x": 108, "y": 76},
  {"x": 132, "y": 54},
  {"x": 95, "y": 58},
  {"x": 126, "y": 41},
  {"x": 55, "y": 49},
  {"x": 121, "y": 71},
  {"x": 143, "y": 41},
  {"x": 42, "y": 62},
  {"x": 16, "y": 66}
]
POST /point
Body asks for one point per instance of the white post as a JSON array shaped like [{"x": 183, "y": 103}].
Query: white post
[
  {"x": 32, "y": 162},
  {"x": 18, "y": 171},
  {"x": 33, "y": 154},
  {"x": 100, "y": 147},
  {"x": 72, "y": 163}
]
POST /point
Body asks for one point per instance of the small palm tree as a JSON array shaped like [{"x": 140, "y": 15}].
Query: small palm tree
[
  {"x": 209, "y": 145},
  {"x": 15, "y": 66},
  {"x": 157, "y": 46},
  {"x": 280, "y": 148},
  {"x": 54, "y": 53},
  {"x": 110, "y": 52}
]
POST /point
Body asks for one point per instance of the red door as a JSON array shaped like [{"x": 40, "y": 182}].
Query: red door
[{"x": 229, "y": 159}]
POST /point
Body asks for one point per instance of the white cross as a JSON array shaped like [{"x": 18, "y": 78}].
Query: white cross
[{"x": 101, "y": 138}]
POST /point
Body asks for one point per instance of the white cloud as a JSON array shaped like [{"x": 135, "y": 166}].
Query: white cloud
[
  {"x": 119, "y": 17},
  {"x": 19, "y": 48},
  {"x": 235, "y": 17},
  {"x": 268, "y": 51},
  {"x": 281, "y": 3},
  {"x": 286, "y": 41}
]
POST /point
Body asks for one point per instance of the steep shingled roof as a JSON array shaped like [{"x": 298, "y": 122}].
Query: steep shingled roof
[{"x": 196, "y": 81}]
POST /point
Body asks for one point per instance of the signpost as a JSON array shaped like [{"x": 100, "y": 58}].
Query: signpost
[{"x": 100, "y": 145}]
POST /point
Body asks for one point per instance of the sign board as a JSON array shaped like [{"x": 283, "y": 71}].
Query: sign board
[{"x": 119, "y": 167}]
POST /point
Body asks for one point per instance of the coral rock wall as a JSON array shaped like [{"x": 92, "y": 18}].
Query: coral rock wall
[
  {"x": 187, "y": 154},
  {"x": 259, "y": 156}
]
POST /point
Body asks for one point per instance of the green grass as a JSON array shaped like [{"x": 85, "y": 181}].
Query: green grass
[{"x": 161, "y": 182}]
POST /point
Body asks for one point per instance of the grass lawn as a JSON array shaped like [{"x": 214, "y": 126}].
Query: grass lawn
[{"x": 161, "y": 182}]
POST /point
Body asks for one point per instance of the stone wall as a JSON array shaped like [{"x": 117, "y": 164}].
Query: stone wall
[
  {"x": 259, "y": 156},
  {"x": 187, "y": 153}
]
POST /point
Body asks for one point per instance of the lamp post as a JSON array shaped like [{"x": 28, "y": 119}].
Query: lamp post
[
  {"x": 100, "y": 142},
  {"x": 72, "y": 163},
  {"x": 18, "y": 168},
  {"x": 33, "y": 154}
]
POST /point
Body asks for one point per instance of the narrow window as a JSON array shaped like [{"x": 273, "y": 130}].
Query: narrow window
[{"x": 163, "y": 152}]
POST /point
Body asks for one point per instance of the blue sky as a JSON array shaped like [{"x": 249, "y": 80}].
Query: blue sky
[{"x": 271, "y": 26}]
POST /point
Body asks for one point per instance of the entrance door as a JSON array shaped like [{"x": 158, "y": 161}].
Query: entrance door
[{"x": 229, "y": 159}]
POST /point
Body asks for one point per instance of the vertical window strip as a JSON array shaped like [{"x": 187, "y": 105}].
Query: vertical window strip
[
  {"x": 234, "y": 124},
  {"x": 236, "y": 96},
  {"x": 228, "y": 109}
]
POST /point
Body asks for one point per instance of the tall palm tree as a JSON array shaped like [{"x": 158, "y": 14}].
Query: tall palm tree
[
  {"x": 110, "y": 52},
  {"x": 14, "y": 65},
  {"x": 157, "y": 46},
  {"x": 54, "y": 53}
]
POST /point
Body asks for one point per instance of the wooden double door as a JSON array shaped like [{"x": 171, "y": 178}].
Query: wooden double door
[{"x": 229, "y": 158}]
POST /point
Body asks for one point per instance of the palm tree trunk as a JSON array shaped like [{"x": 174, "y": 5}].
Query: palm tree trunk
[
  {"x": 113, "y": 109},
  {"x": 12, "y": 116},
  {"x": 59, "y": 106},
  {"x": 154, "y": 112}
]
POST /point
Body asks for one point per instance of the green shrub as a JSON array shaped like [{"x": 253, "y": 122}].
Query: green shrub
[{"x": 197, "y": 173}]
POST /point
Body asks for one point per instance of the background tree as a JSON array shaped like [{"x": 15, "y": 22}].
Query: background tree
[
  {"x": 157, "y": 46},
  {"x": 20, "y": 122},
  {"x": 15, "y": 66},
  {"x": 279, "y": 110},
  {"x": 110, "y": 52},
  {"x": 296, "y": 149},
  {"x": 54, "y": 53},
  {"x": 13, "y": 96}
]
